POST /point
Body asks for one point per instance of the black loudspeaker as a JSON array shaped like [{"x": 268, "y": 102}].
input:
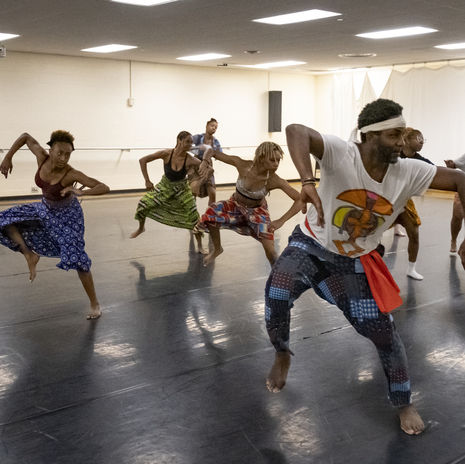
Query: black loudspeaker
[{"x": 275, "y": 98}]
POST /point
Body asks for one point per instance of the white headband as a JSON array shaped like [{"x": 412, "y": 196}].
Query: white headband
[{"x": 392, "y": 123}]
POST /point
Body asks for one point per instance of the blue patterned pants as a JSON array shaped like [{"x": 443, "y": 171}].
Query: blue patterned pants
[{"x": 341, "y": 281}]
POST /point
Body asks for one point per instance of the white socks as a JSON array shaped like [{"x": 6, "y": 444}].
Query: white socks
[
  {"x": 399, "y": 230},
  {"x": 411, "y": 272}
]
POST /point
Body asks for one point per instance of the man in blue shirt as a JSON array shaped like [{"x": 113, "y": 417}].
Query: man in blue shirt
[{"x": 200, "y": 188}]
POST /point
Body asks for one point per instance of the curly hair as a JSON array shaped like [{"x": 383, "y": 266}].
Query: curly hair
[
  {"x": 212, "y": 120},
  {"x": 378, "y": 110},
  {"x": 61, "y": 136},
  {"x": 267, "y": 150}
]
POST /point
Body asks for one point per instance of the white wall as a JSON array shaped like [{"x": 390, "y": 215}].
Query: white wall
[{"x": 88, "y": 97}]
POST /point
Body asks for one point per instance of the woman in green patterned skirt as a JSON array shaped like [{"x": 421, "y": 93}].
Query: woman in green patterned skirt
[{"x": 171, "y": 201}]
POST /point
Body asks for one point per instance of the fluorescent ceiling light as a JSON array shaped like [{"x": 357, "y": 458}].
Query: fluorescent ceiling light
[
  {"x": 452, "y": 46},
  {"x": 203, "y": 57},
  {"x": 356, "y": 55},
  {"x": 403, "y": 32},
  {"x": 110, "y": 48},
  {"x": 4, "y": 36},
  {"x": 144, "y": 2},
  {"x": 276, "y": 64},
  {"x": 297, "y": 17}
]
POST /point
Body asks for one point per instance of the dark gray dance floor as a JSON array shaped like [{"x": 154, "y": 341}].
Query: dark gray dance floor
[{"x": 174, "y": 371}]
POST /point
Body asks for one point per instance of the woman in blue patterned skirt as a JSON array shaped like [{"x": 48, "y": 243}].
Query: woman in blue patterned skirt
[{"x": 53, "y": 227}]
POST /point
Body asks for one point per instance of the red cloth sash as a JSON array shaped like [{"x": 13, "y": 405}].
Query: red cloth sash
[{"x": 382, "y": 285}]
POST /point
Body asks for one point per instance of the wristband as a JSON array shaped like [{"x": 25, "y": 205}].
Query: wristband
[{"x": 308, "y": 181}]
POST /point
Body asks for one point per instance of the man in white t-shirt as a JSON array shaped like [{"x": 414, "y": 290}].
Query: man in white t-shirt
[{"x": 364, "y": 186}]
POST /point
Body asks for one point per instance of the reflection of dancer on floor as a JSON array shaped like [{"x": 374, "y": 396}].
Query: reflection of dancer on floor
[
  {"x": 413, "y": 143},
  {"x": 53, "y": 227},
  {"x": 200, "y": 186},
  {"x": 171, "y": 201},
  {"x": 334, "y": 251},
  {"x": 457, "y": 210},
  {"x": 246, "y": 212}
]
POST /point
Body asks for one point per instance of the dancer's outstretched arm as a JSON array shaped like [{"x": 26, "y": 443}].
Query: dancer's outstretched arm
[
  {"x": 233, "y": 160},
  {"x": 452, "y": 180},
  {"x": 277, "y": 182},
  {"x": 95, "y": 187},
  {"x": 458, "y": 163},
  {"x": 162, "y": 154},
  {"x": 24, "y": 139}
]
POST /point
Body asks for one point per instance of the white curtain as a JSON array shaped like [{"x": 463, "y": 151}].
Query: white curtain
[
  {"x": 344, "y": 94},
  {"x": 434, "y": 103},
  {"x": 432, "y": 95}
]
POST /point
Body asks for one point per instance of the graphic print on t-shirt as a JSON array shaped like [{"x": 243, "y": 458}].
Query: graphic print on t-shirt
[{"x": 359, "y": 219}]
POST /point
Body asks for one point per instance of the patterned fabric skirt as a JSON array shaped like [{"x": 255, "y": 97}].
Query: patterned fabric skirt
[
  {"x": 229, "y": 214},
  {"x": 170, "y": 203},
  {"x": 52, "y": 229}
]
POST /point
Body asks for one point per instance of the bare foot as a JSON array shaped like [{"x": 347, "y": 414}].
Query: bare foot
[
  {"x": 32, "y": 260},
  {"x": 95, "y": 312},
  {"x": 453, "y": 247},
  {"x": 208, "y": 259},
  {"x": 410, "y": 421},
  {"x": 137, "y": 233},
  {"x": 198, "y": 237},
  {"x": 278, "y": 374},
  {"x": 203, "y": 251}
]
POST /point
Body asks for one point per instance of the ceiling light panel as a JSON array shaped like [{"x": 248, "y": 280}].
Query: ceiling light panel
[
  {"x": 110, "y": 48},
  {"x": 4, "y": 36},
  {"x": 144, "y": 2},
  {"x": 451, "y": 46},
  {"x": 203, "y": 57},
  {"x": 403, "y": 32},
  {"x": 356, "y": 55},
  {"x": 297, "y": 17},
  {"x": 276, "y": 64}
]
